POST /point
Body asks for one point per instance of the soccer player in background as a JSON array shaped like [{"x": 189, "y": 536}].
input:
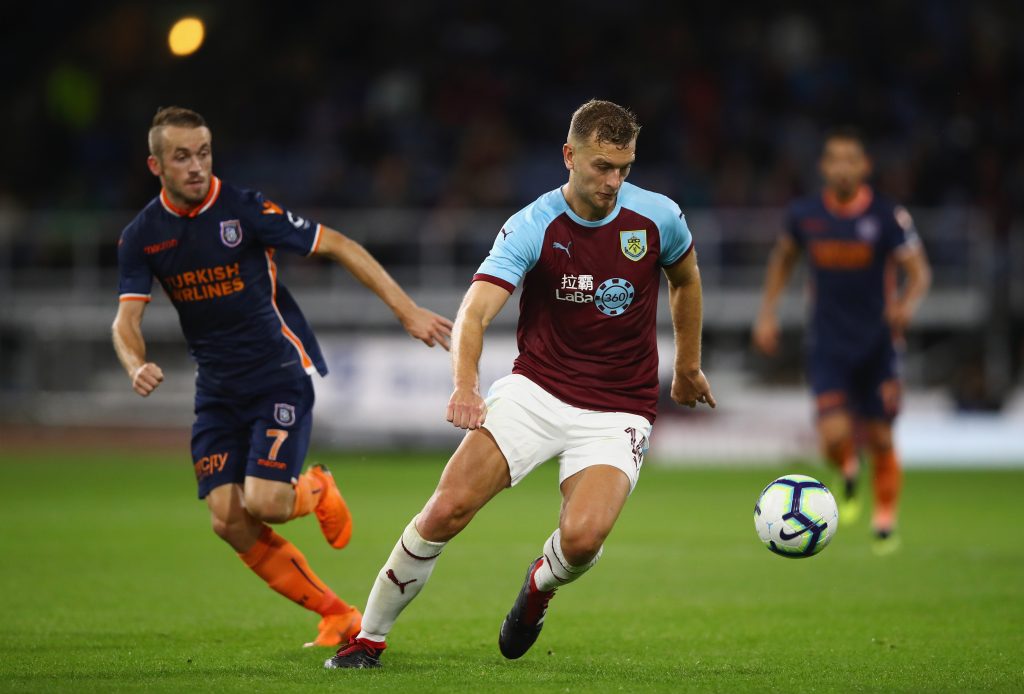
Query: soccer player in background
[
  {"x": 211, "y": 246},
  {"x": 584, "y": 387},
  {"x": 854, "y": 240}
]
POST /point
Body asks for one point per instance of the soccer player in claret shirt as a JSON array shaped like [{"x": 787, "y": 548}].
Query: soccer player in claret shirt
[
  {"x": 584, "y": 387},
  {"x": 854, "y": 240},
  {"x": 212, "y": 247}
]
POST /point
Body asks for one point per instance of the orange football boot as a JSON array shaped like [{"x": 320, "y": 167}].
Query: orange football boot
[
  {"x": 331, "y": 509},
  {"x": 336, "y": 629}
]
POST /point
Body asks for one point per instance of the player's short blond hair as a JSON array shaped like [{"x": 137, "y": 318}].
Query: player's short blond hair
[
  {"x": 608, "y": 121},
  {"x": 171, "y": 115}
]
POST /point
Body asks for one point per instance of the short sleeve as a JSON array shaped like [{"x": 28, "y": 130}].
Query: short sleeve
[
  {"x": 135, "y": 280},
  {"x": 899, "y": 234},
  {"x": 515, "y": 251},
  {"x": 278, "y": 227},
  {"x": 676, "y": 240}
]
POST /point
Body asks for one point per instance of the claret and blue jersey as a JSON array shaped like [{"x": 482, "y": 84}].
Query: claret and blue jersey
[
  {"x": 589, "y": 304},
  {"x": 216, "y": 264}
]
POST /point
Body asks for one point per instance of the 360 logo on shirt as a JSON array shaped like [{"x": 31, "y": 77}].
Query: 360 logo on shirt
[{"x": 614, "y": 296}]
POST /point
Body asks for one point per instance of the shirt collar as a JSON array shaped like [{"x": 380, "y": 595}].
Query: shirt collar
[{"x": 207, "y": 203}]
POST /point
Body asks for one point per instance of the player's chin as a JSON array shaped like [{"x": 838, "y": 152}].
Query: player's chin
[{"x": 195, "y": 191}]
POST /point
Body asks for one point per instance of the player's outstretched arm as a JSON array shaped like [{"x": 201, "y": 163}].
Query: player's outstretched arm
[
  {"x": 686, "y": 299},
  {"x": 914, "y": 263},
  {"x": 423, "y": 324},
  {"x": 765, "y": 333},
  {"x": 131, "y": 348},
  {"x": 483, "y": 301}
]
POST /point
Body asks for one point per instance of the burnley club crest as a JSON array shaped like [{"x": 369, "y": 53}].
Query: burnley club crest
[{"x": 633, "y": 243}]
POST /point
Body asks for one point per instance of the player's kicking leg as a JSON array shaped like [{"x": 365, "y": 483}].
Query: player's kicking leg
[
  {"x": 476, "y": 472},
  {"x": 591, "y": 502}
]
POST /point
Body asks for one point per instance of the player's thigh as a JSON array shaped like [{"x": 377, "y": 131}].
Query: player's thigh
[
  {"x": 598, "y": 471},
  {"x": 830, "y": 379},
  {"x": 281, "y": 423},
  {"x": 475, "y": 473},
  {"x": 613, "y": 439},
  {"x": 592, "y": 500},
  {"x": 595, "y": 496},
  {"x": 220, "y": 444},
  {"x": 879, "y": 389},
  {"x": 527, "y": 423}
]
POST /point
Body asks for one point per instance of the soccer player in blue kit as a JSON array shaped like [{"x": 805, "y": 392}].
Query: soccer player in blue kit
[
  {"x": 211, "y": 247},
  {"x": 854, "y": 240},
  {"x": 590, "y": 256}
]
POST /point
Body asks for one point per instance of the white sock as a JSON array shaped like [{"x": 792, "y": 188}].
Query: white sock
[
  {"x": 555, "y": 570},
  {"x": 400, "y": 580}
]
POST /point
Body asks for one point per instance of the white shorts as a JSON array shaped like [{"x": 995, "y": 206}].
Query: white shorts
[{"x": 531, "y": 426}]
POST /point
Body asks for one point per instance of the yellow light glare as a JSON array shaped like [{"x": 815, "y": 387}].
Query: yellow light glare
[{"x": 186, "y": 36}]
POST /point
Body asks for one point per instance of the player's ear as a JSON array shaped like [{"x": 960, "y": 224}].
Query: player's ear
[
  {"x": 567, "y": 155},
  {"x": 154, "y": 165}
]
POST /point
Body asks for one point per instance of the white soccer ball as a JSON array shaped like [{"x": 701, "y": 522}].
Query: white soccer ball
[{"x": 796, "y": 516}]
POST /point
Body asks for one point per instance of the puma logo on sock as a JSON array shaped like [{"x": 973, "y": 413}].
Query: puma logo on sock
[{"x": 394, "y": 579}]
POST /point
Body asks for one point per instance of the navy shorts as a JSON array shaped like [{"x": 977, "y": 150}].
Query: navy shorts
[
  {"x": 263, "y": 435},
  {"x": 869, "y": 387}
]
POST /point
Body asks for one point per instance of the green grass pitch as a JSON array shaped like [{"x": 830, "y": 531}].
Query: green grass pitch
[{"x": 110, "y": 580}]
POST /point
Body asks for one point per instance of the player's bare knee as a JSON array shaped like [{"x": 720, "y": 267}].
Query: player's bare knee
[
  {"x": 580, "y": 553},
  {"x": 221, "y": 527},
  {"x": 442, "y": 523},
  {"x": 443, "y": 518},
  {"x": 581, "y": 543},
  {"x": 236, "y": 532},
  {"x": 269, "y": 502},
  {"x": 269, "y": 510}
]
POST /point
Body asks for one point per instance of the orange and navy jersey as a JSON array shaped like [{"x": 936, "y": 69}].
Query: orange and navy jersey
[
  {"x": 849, "y": 249},
  {"x": 216, "y": 263}
]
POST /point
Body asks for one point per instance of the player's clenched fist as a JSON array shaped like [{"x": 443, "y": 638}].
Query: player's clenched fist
[
  {"x": 466, "y": 409},
  {"x": 146, "y": 378}
]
